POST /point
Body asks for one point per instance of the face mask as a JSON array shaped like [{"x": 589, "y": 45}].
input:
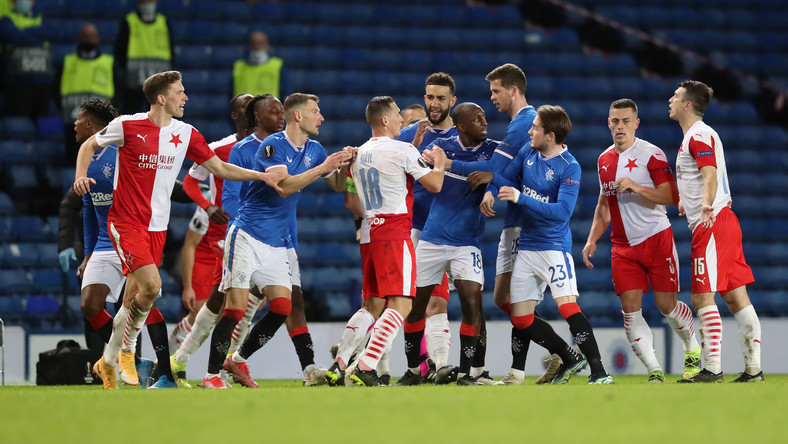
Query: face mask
[
  {"x": 24, "y": 7},
  {"x": 148, "y": 10},
  {"x": 258, "y": 57},
  {"x": 87, "y": 50}
]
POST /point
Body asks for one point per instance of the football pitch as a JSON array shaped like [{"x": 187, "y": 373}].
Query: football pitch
[{"x": 282, "y": 411}]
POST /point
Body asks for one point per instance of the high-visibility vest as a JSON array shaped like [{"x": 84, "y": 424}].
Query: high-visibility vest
[
  {"x": 149, "y": 49},
  {"x": 257, "y": 79},
  {"x": 83, "y": 79},
  {"x": 24, "y": 61}
]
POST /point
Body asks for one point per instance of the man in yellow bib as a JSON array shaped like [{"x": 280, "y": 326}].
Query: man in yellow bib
[
  {"x": 259, "y": 73},
  {"x": 86, "y": 73},
  {"x": 143, "y": 48}
]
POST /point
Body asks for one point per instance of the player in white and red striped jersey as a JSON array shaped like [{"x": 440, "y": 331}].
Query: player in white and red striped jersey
[
  {"x": 636, "y": 183},
  {"x": 202, "y": 261},
  {"x": 718, "y": 263},
  {"x": 384, "y": 170},
  {"x": 151, "y": 150}
]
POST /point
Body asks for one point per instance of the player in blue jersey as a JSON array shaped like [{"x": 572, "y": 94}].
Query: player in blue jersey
[
  {"x": 256, "y": 243},
  {"x": 507, "y": 91},
  {"x": 544, "y": 179},
  {"x": 451, "y": 242},
  {"x": 102, "y": 278},
  {"x": 267, "y": 108},
  {"x": 439, "y": 89}
]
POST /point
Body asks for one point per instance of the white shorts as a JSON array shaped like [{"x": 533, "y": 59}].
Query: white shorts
[
  {"x": 249, "y": 262},
  {"x": 295, "y": 269},
  {"x": 415, "y": 235},
  {"x": 463, "y": 263},
  {"x": 507, "y": 250},
  {"x": 104, "y": 268},
  {"x": 535, "y": 270}
]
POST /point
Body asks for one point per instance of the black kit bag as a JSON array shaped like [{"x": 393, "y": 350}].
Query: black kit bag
[{"x": 67, "y": 364}]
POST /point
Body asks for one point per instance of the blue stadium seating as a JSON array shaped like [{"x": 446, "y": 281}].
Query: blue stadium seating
[
  {"x": 16, "y": 282},
  {"x": 13, "y": 308},
  {"x": 6, "y": 205}
]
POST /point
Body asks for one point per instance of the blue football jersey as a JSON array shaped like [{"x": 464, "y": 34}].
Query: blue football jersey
[
  {"x": 516, "y": 137},
  {"x": 549, "y": 189},
  {"x": 422, "y": 199},
  {"x": 96, "y": 204},
  {"x": 264, "y": 214},
  {"x": 243, "y": 154},
  {"x": 454, "y": 217}
]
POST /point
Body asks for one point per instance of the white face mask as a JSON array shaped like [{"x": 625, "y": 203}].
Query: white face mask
[
  {"x": 148, "y": 9},
  {"x": 23, "y": 7},
  {"x": 258, "y": 57}
]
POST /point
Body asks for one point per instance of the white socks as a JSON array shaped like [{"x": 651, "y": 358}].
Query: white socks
[
  {"x": 680, "y": 320},
  {"x": 179, "y": 334},
  {"x": 750, "y": 337},
  {"x": 438, "y": 335},
  {"x": 383, "y": 334},
  {"x": 203, "y": 323},
  {"x": 641, "y": 339},
  {"x": 356, "y": 329},
  {"x": 711, "y": 338},
  {"x": 115, "y": 340}
]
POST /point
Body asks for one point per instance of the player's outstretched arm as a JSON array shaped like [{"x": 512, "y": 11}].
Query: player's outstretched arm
[
  {"x": 292, "y": 184},
  {"x": 433, "y": 181},
  {"x": 598, "y": 227},
  {"x": 81, "y": 181},
  {"x": 229, "y": 171},
  {"x": 338, "y": 179}
]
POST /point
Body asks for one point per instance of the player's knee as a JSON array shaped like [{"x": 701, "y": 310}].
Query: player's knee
[{"x": 281, "y": 306}]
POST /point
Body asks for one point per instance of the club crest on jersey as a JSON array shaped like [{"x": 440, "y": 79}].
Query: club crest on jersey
[
  {"x": 548, "y": 175},
  {"x": 269, "y": 150},
  {"x": 107, "y": 171},
  {"x": 308, "y": 161}
]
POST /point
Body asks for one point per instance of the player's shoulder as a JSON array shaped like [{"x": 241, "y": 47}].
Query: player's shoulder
[
  {"x": 523, "y": 119},
  {"x": 224, "y": 142},
  {"x": 312, "y": 144},
  {"x": 608, "y": 152},
  {"x": 649, "y": 148},
  {"x": 701, "y": 132},
  {"x": 569, "y": 160},
  {"x": 408, "y": 132}
]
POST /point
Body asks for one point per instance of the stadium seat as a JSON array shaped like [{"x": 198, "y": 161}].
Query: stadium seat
[
  {"x": 48, "y": 281},
  {"x": 13, "y": 308},
  {"x": 16, "y": 282},
  {"x": 7, "y": 207}
]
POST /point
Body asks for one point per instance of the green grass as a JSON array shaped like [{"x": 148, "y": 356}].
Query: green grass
[{"x": 283, "y": 411}]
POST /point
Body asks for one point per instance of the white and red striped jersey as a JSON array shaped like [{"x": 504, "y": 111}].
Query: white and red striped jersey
[
  {"x": 633, "y": 217},
  {"x": 222, "y": 149},
  {"x": 149, "y": 160},
  {"x": 701, "y": 147},
  {"x": 384, "y": 171}
]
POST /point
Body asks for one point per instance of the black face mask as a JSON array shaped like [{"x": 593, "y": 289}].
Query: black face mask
[{"x": 87, "y": 50}]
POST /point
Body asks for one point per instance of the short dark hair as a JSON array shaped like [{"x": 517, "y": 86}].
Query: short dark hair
[
  {"x": 554, "y": 119},
  {"x": 99, "y": 111},
  {"x": 510, "y": 75},
  {"x": 378, "y": 107},
  {"x": 441, "y": 79},
  {"x": 461, "y": 111},
  {"x": 253, "y": 106},
  {"x": 159, "y": 83},
  {"x": 414, "y": 106},
  {"x": 625, "y": 103},
  {"x": 698, "y": 93},
  {"x": 297, "y": 100}
]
